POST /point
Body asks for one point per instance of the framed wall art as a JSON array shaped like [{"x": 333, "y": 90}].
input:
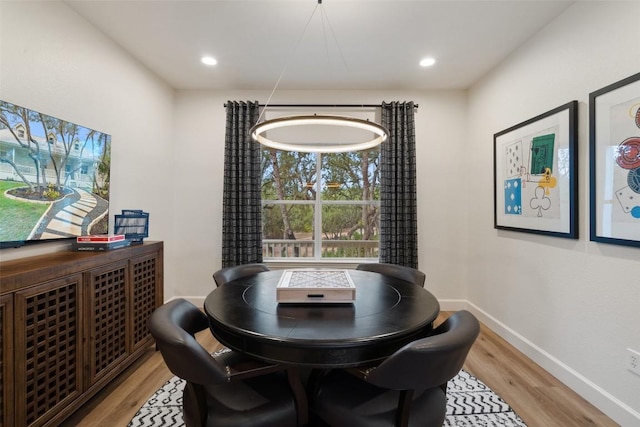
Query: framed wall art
[
  {"x": 535, "y": 174},
  {"x": 614, "y": 156}
]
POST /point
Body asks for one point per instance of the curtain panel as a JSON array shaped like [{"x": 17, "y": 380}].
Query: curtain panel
[
  {"x": 398, "y": 204},
  {"x": 241, "y": 203}
]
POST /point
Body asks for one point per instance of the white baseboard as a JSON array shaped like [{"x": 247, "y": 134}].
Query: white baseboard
[
  {"x": 453, "y": 304},
  {"x": 600, "y": 398}
]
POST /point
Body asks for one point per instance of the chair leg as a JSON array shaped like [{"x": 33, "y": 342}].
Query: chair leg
[
  {"x": 444, "y": 387},
  {"x": 299, "y": 395},
  {"x": 194, "y": 405},
  {"x": 404, "y": 408},
  {"x": 313, "y": 383}
]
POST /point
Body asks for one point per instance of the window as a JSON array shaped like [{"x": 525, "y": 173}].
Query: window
[{"x": 320, "y": 206}]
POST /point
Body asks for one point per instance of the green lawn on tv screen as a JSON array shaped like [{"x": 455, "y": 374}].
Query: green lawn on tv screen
[{"x": 18, "y": 218}]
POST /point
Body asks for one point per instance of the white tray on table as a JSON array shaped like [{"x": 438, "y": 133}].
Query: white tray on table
[{"x": 315, "y": 286}]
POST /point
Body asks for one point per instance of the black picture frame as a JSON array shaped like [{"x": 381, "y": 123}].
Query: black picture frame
[
  {"x": 614, "y": 161},
  {"x": 535, "y": 167}
]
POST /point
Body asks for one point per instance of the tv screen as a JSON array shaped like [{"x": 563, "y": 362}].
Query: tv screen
[{"x": 54, "y": 178}]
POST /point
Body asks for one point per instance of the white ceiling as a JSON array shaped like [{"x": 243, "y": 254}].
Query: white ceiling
[{"x": 365, "y": 44}]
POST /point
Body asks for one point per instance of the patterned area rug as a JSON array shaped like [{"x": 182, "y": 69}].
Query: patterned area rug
[{"x": 470, "y": 403}]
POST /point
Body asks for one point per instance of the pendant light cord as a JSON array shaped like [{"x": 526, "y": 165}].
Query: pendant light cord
[
  {"x": 297, "y": 45},
  {"x": 325, "y": 17}
]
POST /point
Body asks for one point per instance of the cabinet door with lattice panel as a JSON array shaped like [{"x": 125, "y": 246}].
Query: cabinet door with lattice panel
[
  {"x": 48, "y": 356},
  {"x": 146, "y": 295},
  {"x": 106, "y": 318},
  {"x": 6, "y": 361}
]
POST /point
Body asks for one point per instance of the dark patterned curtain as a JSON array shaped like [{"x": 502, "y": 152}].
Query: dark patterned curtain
[
  {"x": 241, "y": 203},
  {"x": 398, "y": 213}
]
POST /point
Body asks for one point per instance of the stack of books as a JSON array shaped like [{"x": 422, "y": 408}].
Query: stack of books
[{"x": 101, "y": 242}]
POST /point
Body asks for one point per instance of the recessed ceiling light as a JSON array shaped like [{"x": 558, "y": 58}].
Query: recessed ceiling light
[
  {"x": 427, "y": 62},
  {"x": 209, "y": 60}
]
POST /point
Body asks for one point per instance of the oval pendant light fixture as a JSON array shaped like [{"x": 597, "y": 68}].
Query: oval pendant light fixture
[
  {"x": 381, "y": 134},
  {"x": 258, "y": 131}
]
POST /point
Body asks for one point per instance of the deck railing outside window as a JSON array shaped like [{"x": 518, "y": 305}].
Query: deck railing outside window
[{"x": 276, "y": 249}]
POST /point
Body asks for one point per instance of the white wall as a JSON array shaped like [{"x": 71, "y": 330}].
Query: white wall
[
  {"x": 199, "y": 152},
  {"x": 54, "y": 62},
  {"x": 572, "y": 305}
]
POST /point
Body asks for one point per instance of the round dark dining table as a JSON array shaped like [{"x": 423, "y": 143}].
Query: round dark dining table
[{"x": 386, "y": 314}]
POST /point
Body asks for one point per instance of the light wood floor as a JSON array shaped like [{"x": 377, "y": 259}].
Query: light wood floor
[{"x": 535, "y": 395}]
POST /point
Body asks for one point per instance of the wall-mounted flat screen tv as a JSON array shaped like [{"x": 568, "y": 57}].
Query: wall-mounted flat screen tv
[{"x": 54, "y": 178}]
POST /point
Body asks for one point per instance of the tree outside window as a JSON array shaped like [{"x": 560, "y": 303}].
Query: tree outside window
[{"x": 318, "y": 206}]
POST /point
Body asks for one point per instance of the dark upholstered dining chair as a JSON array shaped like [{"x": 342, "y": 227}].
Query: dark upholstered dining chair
[
  {"x": 406, "y": 389},
  {"x": 228, "y": 274},
  {"x": 225, "y": 389},
  {"x": 407, "y": 274}
]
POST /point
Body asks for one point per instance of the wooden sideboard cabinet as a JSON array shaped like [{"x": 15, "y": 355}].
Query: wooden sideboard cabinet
[
  {"x": 69, "y": 323},
  {"x": 6, "y": 360}
]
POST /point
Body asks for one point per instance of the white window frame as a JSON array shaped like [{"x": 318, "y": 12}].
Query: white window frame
[{"x": 372, "y": 113}]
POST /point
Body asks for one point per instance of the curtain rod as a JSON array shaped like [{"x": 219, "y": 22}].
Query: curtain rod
[{"x": 324, "y": 105}]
